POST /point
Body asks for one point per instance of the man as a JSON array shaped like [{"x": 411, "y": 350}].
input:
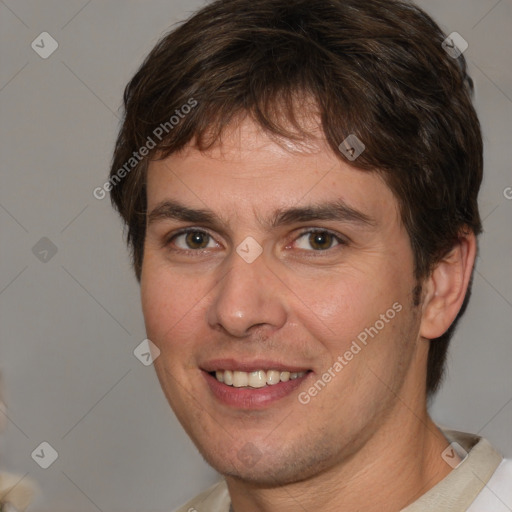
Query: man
[{"x": 299, "y": 180}]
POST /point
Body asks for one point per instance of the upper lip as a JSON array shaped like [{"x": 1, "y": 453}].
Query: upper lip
[{"x": 250, "y": 365}]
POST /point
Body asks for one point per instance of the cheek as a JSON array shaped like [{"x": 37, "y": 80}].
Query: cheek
[
  {"x": 347, "y": 306},
  {"x": 155, "y": 301},
  {"x": 174, "y": 305},
  {"x": 166, "y": 301},
  {"x": 340, "y": 304}
]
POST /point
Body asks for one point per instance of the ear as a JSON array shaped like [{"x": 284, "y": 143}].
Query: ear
[{"x": 446, "y": 287}]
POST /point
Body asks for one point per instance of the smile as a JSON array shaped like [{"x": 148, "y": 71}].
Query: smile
[
  {"x": 255, "y": 379},
  {"x": 250, "y": 390}
]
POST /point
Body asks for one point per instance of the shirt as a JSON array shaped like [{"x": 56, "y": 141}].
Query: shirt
[{"x": 482, "y": 482}]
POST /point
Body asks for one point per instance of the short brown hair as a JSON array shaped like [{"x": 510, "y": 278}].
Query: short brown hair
[{"x": 376, "y": 69}]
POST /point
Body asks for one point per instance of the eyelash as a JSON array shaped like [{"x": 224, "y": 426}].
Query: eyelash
[
  {"x": 340, "y": 241},
  {"x": 186, "y": 231}
]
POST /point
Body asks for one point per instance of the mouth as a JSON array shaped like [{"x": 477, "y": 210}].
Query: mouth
[
  {"x": 256, "y": 379},
  {"x": 255, "y": 385}
]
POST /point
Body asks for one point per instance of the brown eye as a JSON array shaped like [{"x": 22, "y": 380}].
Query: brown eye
[
  {"x": 317, "y": 240},
  {"x": 321, "y": 240},
  {"x": 193, "y": 240},
  {"x": 197, "y": 240}
]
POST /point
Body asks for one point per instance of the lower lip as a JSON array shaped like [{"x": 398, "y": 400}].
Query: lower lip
[{"x": 252, "y": 398}]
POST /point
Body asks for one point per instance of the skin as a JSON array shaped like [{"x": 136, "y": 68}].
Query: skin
[{"x": 368, "y": 429}]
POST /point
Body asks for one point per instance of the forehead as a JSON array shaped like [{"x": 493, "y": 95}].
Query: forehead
[{"x": 249, "y": 171}]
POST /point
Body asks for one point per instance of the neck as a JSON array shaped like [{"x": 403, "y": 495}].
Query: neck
[{"x": 388, "y": 473}]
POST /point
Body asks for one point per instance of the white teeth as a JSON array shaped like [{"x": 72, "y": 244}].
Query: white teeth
[
  {"x": 228, "y": 377},
  {"x": 240, "y": 379},
  {"x": 272, "y": 377},
  {"x": 284, "y": 376},
  {"x": 256, "y": 379}
]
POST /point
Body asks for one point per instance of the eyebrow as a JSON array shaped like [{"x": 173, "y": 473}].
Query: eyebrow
[{"x": 338, "y": 211}]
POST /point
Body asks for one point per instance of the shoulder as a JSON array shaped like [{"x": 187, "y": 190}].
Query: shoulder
[
  {"x": 214, "y": 499},
  {"x": 497, "y": 494}
]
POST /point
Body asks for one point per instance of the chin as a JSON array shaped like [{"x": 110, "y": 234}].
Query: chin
[
  {"x": 266, "y": 476},
  {"x": 269, "y": 469}
]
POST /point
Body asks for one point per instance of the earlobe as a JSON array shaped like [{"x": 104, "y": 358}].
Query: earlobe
[{"x": 446, "y": 287}]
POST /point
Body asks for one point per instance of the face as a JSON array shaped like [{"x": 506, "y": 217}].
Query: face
[{"x": 277, "y": 284}]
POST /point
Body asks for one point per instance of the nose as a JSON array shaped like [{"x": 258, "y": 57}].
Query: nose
[{"x": 249, "y": 297}]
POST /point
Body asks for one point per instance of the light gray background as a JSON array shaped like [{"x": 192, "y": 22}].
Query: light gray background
[{"x": 69, "y": 326}]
